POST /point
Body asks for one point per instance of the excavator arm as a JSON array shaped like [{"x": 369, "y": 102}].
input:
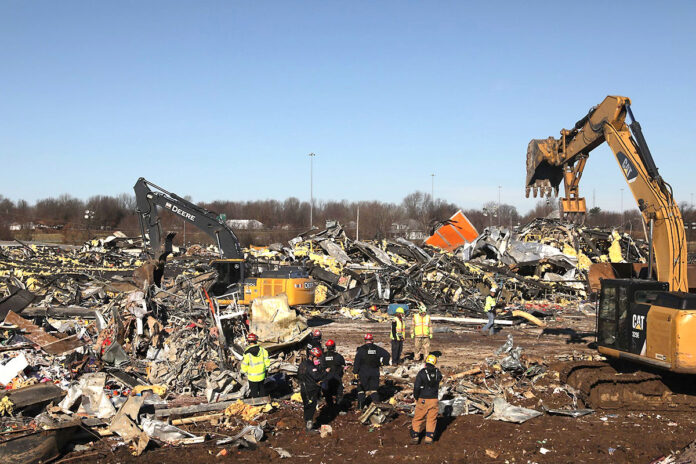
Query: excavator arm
[
  {"x": 550, "y": 161},
  {"x": 148, "y": 201}
]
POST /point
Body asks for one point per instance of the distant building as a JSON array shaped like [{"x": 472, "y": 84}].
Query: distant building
[
  {"x": 15, "y": 226},
  {"x": 410, "y": 229},
  {"x": 244, "y": 224}
]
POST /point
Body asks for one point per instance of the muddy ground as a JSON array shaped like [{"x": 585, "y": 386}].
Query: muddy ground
[{"x": 605, "y": 436}]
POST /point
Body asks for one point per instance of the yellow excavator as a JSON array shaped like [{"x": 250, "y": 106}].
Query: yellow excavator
[
  {"x": 232, "y": 268},
  {"x": 650, "y": 321}
]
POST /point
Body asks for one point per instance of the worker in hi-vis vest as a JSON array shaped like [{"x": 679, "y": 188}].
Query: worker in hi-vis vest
[
  {"x": 255, "y": 363},
  {"x": 421, "y": 333}
]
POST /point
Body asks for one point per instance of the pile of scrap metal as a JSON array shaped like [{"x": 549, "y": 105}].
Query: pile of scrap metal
[
  {"x": 357, "y": 274},
  {"x": 550, "y": 250},
  {"x": 118, "y": 241},
  {"x": 88, "y": 348},
  {"x": 598, "y": 245}
]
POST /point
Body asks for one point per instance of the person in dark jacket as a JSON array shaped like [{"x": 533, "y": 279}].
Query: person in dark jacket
[
  {"x": 314, "y": 341},
  {"x": 425, "y": 391},
  {"x": 368, "y": 359},
  {"x": 334, "y": 364},
  {"x": 311, "y": 374}
]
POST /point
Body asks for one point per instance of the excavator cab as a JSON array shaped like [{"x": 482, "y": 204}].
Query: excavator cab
[
  {"x": 230, "y": 271},
  {"x": 623, "y": 310}
]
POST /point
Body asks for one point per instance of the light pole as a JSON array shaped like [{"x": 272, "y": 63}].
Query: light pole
[
  {"x": 499, "y": 188},
  {"x": 622, "y": 211},
  {"x": 432, "y": 187},
  {"x": 311, "y": 189},
  {"x": 89, "y": 215}
]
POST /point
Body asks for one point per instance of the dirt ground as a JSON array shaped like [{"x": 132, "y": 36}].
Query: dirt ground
[{"x": 604, "y": 436}]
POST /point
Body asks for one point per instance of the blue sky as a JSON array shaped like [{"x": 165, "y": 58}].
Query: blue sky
[{"x": 223, "y": 100}]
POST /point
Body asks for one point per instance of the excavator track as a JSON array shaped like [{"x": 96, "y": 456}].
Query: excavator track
[{"x": 601, "y": 386}]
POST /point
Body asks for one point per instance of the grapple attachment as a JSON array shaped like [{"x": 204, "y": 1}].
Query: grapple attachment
[{"x": 544, "y": 170}]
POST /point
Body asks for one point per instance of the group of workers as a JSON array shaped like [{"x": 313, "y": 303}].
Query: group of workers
[{"x": 322, "y": 369}]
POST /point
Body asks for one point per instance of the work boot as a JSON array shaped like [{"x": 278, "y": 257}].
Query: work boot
[
  {"x": 429, "y": 438},
  {"x": 309, "y": 425},
  {"x": 415, "y": 437}
]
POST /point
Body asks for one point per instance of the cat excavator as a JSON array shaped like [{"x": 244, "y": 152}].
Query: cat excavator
[
  {"x": 231, "y": 266},
  {"x": 647, "y": 323}
]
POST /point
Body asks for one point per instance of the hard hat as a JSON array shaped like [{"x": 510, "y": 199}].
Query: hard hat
[
  {"x": 316, "y": 351},
  {"x": 399, "y": 310},
  {"x": 251, "y": 337},
  {"x": 368, "y": 336},
  {"x": 330, "y": 343},
  {"x": 422, "y": 308},
  {"x": 494, "y": 290},
  {"x": 316, "y": 333},
  {"x": 373, "y": 307},
  {"x": 431, "y": 359}
]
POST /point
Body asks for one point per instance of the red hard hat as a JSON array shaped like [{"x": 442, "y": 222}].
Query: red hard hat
[
  {"x": 330, "y": 343},
  {"x": 316, "y": 333},
  {"x": 373, "y": 307},
  {"x": 368, "y": 336},
  {"x": 316, "y": 351},
  {"x": 252, "y": 337}
]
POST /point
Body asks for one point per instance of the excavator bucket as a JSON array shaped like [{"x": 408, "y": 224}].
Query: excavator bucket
[
  {"x": 152, "y": 270},
  {"x": 544, "y": 172}
]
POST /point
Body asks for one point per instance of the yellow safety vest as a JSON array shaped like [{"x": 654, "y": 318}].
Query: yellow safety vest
[
  {"x": 400, "y": 330},
  {"x": 421, "y": 325},
  {"x": 255, "y": 366},
  {"x": 490, "y": 304}
]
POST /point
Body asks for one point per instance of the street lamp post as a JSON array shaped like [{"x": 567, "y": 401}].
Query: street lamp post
[
  {"x": 499, "y": 188},
  {"x": 432, "y": 187},
  {"x": 311, "y": 190},
  {"x": 89, "y": 215},
  {"x": 622, "y": 210}
]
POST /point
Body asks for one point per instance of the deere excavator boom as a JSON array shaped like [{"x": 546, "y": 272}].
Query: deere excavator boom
[
  {"x": 148, "y": 201},
  {"x": 550, "y": 161},
  {"x": 234, "y": 274}
]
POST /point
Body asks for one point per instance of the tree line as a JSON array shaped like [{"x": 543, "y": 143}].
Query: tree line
[{"x": 76, "y": 220}]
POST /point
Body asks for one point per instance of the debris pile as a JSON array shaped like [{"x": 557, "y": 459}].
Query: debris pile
[
  {"x": 488, "y": 388},
  {"x": 82, "y": 347},
  {"x": 546, "y": 262}
]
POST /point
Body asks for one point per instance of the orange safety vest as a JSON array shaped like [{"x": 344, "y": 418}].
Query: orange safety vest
[
  {"x": 421, "y": 325},
  {"x": 400, "y": 330}
]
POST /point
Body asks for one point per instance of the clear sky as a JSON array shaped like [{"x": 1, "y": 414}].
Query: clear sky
[{"x": 224, "y": 100}]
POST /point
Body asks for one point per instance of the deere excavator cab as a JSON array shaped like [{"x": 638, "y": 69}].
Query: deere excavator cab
[{"x": 230, "y": 272}]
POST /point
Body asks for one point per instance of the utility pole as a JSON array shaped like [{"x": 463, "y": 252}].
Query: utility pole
[
  {"x": 594, "y": 202},
  {"x": 311, "y": 190},
  {"x": 622, "y": 211},
  {"x": 499, "y": 188},
  {"x": 432, "y": 188},
  {"x": 357, "y": 225},
  {"x": 692, "y": 201}
]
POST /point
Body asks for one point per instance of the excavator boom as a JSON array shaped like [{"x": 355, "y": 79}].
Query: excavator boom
[
  {"x": 148, "y": 202},
  {"x": 552, "y": 161}
]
